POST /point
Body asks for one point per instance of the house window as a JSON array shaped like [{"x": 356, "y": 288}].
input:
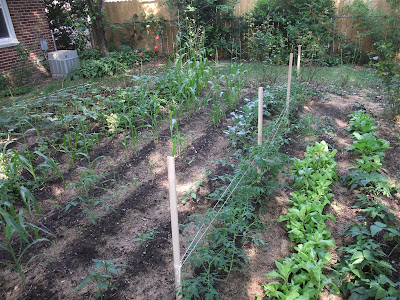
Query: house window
[{"x": 7, "y": 34}]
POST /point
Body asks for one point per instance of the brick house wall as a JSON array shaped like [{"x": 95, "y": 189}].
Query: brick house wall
[{"x": 30, "y": 26}]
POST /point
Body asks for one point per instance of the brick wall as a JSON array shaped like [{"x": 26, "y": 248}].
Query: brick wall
[{"x": 30, "y": 25}]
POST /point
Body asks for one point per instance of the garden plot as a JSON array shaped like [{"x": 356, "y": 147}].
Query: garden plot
[
  {"x": 329, "y": 122},
  {"x": 115, "y": 208},
  {"x": 137, "y": 208}
]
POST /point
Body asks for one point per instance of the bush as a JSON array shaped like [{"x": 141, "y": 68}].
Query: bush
[
  {"x": 389, "y": 73},
  {"x": 115, "y": 63},
  {"x": 212, "y": 16},
  {"x": 89, "y": 54},
  {"x": 375, "y": 24},
  {"x": 301, "y": 22}
]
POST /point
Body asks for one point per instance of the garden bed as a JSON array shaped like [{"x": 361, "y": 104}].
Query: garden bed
[{"x": 135, "y": 231}]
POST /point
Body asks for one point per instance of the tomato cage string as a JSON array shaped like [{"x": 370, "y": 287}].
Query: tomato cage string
[
  {"x": 214, "y": 207},
  {"x": 188, "y": 253},
  {"x": 280, "y": 119},
  {"x": 196, "y": 241}
]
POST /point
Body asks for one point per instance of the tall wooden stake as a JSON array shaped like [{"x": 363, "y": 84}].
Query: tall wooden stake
[
  {"x": 298, "y": 59},
  {"x": 289, "y": 81},
  {"x": 174, "y": 226},
  {"x": 260, "y": 115}
]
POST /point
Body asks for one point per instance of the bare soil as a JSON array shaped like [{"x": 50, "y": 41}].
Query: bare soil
[{"x": 145, "y": 205}]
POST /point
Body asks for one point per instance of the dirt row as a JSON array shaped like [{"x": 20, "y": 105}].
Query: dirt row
[{"x": 145, "y": 205}]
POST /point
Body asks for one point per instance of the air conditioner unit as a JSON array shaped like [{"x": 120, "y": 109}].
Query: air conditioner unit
[{"x": 62, "y": 62}]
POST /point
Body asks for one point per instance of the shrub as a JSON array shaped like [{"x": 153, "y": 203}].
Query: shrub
[
  {"x": 302, "y": 22},
  {"x": 115, "y": 63},
  {"x": 213, "y": 16}
]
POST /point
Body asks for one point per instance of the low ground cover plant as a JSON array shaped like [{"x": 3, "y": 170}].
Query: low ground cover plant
[
  {"x": 365, "y": 270},
  {"x": 302, "y": 274}
]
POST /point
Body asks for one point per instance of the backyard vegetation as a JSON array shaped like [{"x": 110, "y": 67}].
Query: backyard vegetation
[{"x": 310, "y": 213}]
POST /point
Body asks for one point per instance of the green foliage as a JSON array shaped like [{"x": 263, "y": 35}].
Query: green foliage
[
  {"x": 69, "y": 21},
  {"x": 234, "y": 219},
  {"x": 368, "y": 22},
  {"x": 301, "y": 274},
  {"x": 366, "y": 174},
  {"x": 220, "y": 252},
  {"x": 364, "y": 270},
  {"x": 89, "y": 54},
  {"x": 368, "y": 144},
  {"x": 265, "y": 42},
  {"x": 137, "y": 28},
  {"x": 146, "y": 236},
  {"x": 210, "y": 15},
  {"x": 374, "y": 209},
  {"x": 16, "y": 204},
  {"x": 389, "y": 72},
  {"x": 115, "y": 63},
  {"x": 361, "y": 122},
  {"x": 19, "y": 237},
  {"x": 291, "y": 23},
  {"x": 102, "y": 276}
]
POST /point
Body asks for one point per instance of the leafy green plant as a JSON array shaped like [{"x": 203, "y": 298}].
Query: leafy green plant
[
  {"x": 302, "y": 272},
  {"x": 150, "y": 234},
  {"x": 102, "y": 276},
  {"x": 361, "y": 122},
  {"x": 191, "y": 194},
  {"x": 365, "y": 267},
  {"x": 115, "y": 63},
  {"x": 364, "y": 270},
  {"x": 374, "y": 209},
  {"x": 368, "y": 144}
]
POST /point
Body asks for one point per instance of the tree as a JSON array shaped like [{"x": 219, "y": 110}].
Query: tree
[
  {"x": 69, "y": 21},
  {"x": 96, "y": 10}
]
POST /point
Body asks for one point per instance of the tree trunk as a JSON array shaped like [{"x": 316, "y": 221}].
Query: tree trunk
[{"x": 97, "y": 21}]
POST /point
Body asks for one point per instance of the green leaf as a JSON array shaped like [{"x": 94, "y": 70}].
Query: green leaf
[
  {"x": 376, "y": 228},
  {"x": 357, "y": 258},
  {"x": 84, "y": 283},
  {"x": 273, "y": 274},
  {"x": 102, "y": 286},
  {"x": 112, "y": 270}
]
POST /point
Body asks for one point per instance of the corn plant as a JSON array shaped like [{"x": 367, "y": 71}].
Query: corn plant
[
  {"x": 154, "y": 114},
  {"x": 117, "y": 189},
  {"x": 17, "y": 230},
  {"x": 125, "y": 143},
  {"x": 19, "y": 235},
  {"x": 85, "y": 201}
]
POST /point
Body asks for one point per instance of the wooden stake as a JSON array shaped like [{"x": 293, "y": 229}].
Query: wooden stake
[
  {"x": 298, "y": 59},
  {"x": 174, "y": 226},
  {"x": 289, "y": 81},
  {"x": 260, "y": 115}
]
